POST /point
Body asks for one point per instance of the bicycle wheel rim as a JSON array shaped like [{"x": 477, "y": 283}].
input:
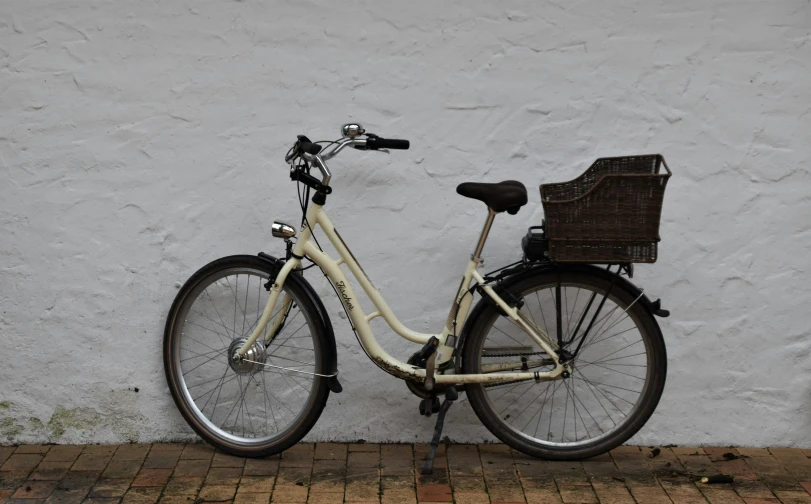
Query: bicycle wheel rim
[
  {"x": 604, "y": 425},
  {"x": 245, "y": 316}
]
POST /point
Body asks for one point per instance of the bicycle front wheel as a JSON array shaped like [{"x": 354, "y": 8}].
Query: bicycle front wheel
[
  {"x": 617, "y": 376},
  {"x": 266, "y": 403}
]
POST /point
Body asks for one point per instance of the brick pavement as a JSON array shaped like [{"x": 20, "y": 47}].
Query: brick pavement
[{"x": 365, "y": 473}]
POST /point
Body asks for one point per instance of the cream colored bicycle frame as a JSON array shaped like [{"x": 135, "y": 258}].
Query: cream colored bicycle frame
[{"x": 306, "y": 247}]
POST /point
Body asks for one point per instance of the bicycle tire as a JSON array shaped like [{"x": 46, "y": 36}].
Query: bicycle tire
[
  {"x": 319, "y": 391},
  {"x": 624, "y": 294}
]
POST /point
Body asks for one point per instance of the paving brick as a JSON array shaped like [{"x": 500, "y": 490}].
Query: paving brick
[
  {"x": 110, "y": 488},
  {"x": 289, "y": 494},
  {"x": 439, "y": 477},
  {"x": 183, "y": 485},
  {"x": 463, "y": 460},
  {"x": 688, "y": 499},
  {"x": 434, "y": 493},
  {"x": 261, "y": 467},
  {"x": 161, "y": 459},
  {"x": 363, "y": 484},
  {"x": 363, "y": 459},
  {"x": 330, "y": 451},
  {"x": 79, "y": 480},
  {"x": 506, "y": 493},
  {"x": 793, "y": 496},
  {"x": 35, "y": 490},
  {"x": 739, "y": 469},
  {"x": 40, "y": 449},
  {"x": 698, "y": 464},
  {"x": 168, "y": 447},
  {"x": 132, "y": 452},
  {"x": 223, "y": 476},
  {"x": 542, "y": 496},
  {"x": 421, "y": 451},
  {"x": 328, "y": 476},
  {"x": 754, "y": 452},
  {"x": 717, "y": 453},
  {"x": 152, "y": 478},
  {"x": 217, "y": 492},
  {"x": 121, "y": 469},
  {"x": 794, "y": 462},
  {"x": 772, "y": 473},
  {"x": 256, "y": 484},
  {"x": 616, "y": 495},
  {"x": 63, "y": 453},
  {"x": 716, "y": 494},
  {"x": 577, "y": 494},
  {"x": 10, "y": 480},
  {"x": 752, "y": 490},
  {"x": 682, "y": 489},
  {"x": 687, "y": 450},
  {"x": 252, "y": 498},
  {"x": 104, "y": 500},
  {"x": 5, "y": 453},
  {"x": 293, "y": 476},
  {"x": 225, "y": 460},
  {"x": 649, "y": 494},
  {"x": 403, "y": 496},
  {"x": 147, "y": 495},
  {"x": 397, "y": 483},
  {"x": 25, "y": 501},
  {"x": 91, "y": 462},
  {"x": 197, "y": 451},
  {"x": 5, "y": 495},
  {"x": 469, "y": 484},
  {"x": 397, "y": 460},
  {"x": 602, "y": 469},
  {"x": 472, "y": 498},
  {"x": 359, "y": 447},
  {"x": 21, "y": 462},
  {"x": 60, "y": 496},
  {"x": 298, "y": 456},
  {"x": 176, "y": 499},
  {"x": 54, "y": 470},
  {"x": 762, "y": 501},
  {"x": 191, "y": 468},
  {"x": 99, "y": 450}
]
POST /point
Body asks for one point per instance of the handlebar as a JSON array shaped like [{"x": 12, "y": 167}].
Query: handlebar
[{"x": 317, "y": 155}]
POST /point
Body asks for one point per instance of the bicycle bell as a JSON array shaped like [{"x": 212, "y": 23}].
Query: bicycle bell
[{"x": 351, "y": 130}]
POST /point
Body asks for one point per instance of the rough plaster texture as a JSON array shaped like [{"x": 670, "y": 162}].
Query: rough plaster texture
[{"x": 140, "y": 140}]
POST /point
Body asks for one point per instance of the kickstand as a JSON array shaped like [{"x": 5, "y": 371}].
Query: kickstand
[{"x": 450, "y": 396}]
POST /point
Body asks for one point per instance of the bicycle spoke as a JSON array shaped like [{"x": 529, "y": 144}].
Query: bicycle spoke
[
  {"x": 232, "y": 401},
  {"x": 579, "y": 408}
]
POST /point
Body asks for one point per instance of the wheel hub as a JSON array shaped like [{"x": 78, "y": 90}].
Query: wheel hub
[{"x": 242, "y": 364}]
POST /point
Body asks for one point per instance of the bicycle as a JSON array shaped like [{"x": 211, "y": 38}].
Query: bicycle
[{"x": 250, "y": 355}]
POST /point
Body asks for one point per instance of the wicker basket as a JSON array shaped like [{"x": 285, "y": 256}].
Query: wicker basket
[{"x": 609, "y": 214}]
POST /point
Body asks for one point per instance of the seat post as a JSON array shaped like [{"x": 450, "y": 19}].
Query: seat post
[{"x": 485, "y": 231}]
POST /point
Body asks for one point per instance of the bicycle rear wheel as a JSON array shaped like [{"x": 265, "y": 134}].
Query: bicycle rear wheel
[
  {"x": 617, "y": 379},
  {"x": 270, "y": 401}
]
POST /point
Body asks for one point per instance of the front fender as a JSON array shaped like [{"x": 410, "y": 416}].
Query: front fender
[{"x": 330, "y": 352}]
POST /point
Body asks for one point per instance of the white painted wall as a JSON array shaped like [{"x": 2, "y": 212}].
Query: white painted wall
[{"x": 140, "y": 140}]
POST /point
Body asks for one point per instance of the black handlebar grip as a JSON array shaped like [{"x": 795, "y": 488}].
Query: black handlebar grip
[{"x": 375, "y": 143}]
